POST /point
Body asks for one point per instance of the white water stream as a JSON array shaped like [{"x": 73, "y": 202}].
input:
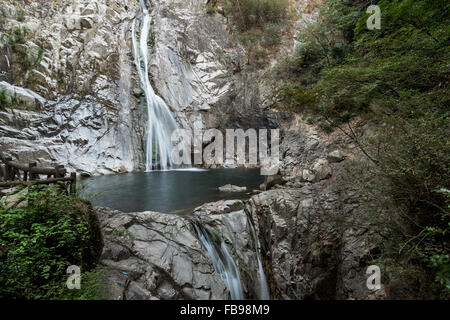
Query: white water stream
[
  {"x": 222, "y": 261},
  {"x": 161, "y": 123}
]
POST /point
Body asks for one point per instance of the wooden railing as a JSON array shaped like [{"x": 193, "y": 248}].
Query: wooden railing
[{"x": 13, "y": 173}]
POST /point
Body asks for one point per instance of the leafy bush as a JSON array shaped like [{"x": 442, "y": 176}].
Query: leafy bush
[
  {"x": 93, "y": 287},
  {"x": 16, "y": 36},
  {"x": 397, "y": 78},
  {"x": 297, "y": 98},
  {"x": 248, "y": 14},
  {"x": 20, "y": 15},
  {"x": 4, "y": 102},
  {"x": 407, "y": 197},
  {"x": 257, "y": 24},
  {"x": 38, "y": 243}
]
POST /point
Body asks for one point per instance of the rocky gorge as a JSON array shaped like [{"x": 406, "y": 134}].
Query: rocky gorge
[{"x": 81, "y": 106}]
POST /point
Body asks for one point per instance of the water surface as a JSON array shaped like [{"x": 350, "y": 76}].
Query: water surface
[{"x": 176, "y": 191}]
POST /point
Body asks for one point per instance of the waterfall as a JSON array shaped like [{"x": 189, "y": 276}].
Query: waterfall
[
  {"x": 222, "y": 261},
  {"x": 263, "y": 287},
  {"x": 161, "y": 123}
]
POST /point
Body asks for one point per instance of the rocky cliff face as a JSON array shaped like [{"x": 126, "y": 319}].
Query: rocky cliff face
[
  {"x": 151, "y": 255},
  {"x": 81, "y": 108},
  {"x": 89, "y": 119}
]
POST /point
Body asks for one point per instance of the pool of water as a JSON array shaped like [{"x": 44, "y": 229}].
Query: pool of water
[{"x": 176, "y": 191}]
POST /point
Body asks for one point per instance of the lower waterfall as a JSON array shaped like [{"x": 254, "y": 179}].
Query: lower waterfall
[
  {"x": 222, "y": 261},
  {"x": 263, "y": 287},
  {"x": 161, "y": 123}
]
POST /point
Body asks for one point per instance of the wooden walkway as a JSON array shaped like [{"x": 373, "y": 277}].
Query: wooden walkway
[{"x": 13, "y": 173}]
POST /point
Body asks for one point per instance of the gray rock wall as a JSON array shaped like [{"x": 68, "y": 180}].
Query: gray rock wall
[{"x": 91, "y": 121}]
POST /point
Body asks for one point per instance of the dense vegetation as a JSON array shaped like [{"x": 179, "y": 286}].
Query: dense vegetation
[
  {"x": 257, "y": 24},
  {"x": 397, "y": 79},
  {"x": 41, "y": 239}
]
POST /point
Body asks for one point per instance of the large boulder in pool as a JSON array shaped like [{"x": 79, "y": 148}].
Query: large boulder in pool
[{"x": 151, "y": 255}]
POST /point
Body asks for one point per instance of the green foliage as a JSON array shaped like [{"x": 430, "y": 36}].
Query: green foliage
[
  {"x": 38, "y": 243},
  {"x": 398, "y": 77},
  {"x": 248, "y": 14},
  {"x": 4, "y": 101},
  {"x": 258, "y": 25},
  {"x": 93, "y": 287},
  {"x": 407, "y": 200},
  {"x": 210, "y": 8},
  {"x": 297, "y": 98},
  {"x": 15, "y": 36},
  {"x": 360, "y": 70},
  {"x": 20, "y": 15}
]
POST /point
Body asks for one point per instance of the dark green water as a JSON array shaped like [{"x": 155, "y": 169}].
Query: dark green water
[{"x": 167, "y": 191}]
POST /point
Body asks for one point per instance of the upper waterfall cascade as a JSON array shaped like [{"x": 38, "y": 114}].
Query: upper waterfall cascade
[{"x": 161, "y": 123}]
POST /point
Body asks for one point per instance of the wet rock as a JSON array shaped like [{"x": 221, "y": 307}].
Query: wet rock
[
  {"x": 228, "y": 221},
  {"x": 221, "y": 207},
  {"x": 272, "y": 181},
  {"x": 306, "y": 254},
  {"x": 159, "y": 257}
]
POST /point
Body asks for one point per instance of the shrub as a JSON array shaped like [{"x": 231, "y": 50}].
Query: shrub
[
  {"x": 296, "y": 98},
  {"x": 248, "y": 14},
  {"x": 407, "y": 196},
  {"x": 38, "y": 243},
  {"x": 4, "y": 101},
  {"x": 398, "y": 79},
  {"x": 259, "y": 25},
  {"x": 20, "y": 15},
  {"x": 93, "y": 287}
]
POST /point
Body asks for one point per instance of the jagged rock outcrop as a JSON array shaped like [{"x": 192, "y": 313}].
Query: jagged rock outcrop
[
  {"x": 306, "y": 246},
  {"x": 313, "y": 240},
  {"x": 151, "y": 255},
  {"x": 93, "y": 121}
]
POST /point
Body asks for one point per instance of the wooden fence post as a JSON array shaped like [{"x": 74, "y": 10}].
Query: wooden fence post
[
  {"x": 31, "y": 165},
  {"x": 8, "y": 169},
  {"x": 73, "y": 183},
  {"x": 2, "y": 173},
  {"x": 58, "y": 171}
]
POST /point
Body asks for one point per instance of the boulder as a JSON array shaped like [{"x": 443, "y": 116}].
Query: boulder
[
  {"x": 271, "y": 181},
  {"x": 15, "y": 199},
  {"x": 335, "y": 156},
  {"x": 232, "y": 188},
  {"x": 22, "y": 97},
  {"x": 321, "y": 169}
]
